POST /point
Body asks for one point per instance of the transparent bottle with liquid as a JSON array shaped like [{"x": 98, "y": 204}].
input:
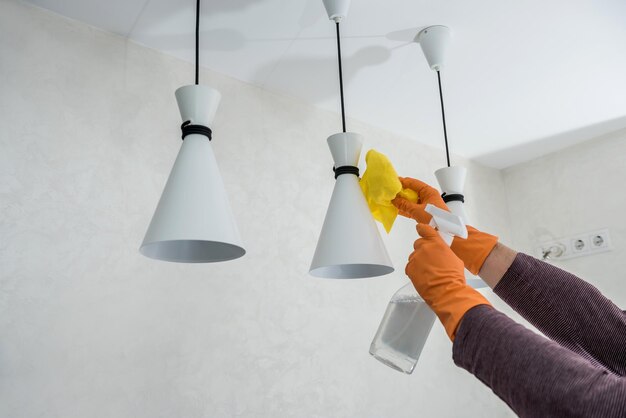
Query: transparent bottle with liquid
[{"x": 403, "y": 331}]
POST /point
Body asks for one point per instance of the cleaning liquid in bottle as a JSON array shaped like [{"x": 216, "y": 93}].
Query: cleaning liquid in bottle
[{"x": 403, "y": 331}]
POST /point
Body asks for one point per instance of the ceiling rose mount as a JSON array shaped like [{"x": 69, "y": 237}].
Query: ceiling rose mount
[
  {"x": 337, "y": 9},
  {"x": 435, "y": 42}
]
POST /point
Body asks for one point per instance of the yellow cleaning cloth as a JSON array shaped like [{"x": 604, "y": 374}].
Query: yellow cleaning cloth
[{"x": 380, "y": 186}]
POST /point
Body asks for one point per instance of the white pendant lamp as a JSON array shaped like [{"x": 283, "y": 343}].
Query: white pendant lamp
[
  {"x": 193, "y": 221},
  {"x": 349, "y": 245},
  {"x": 435, "y": 41}
]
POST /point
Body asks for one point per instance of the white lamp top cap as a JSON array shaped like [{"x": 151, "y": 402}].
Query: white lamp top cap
[
  {"x": 435, "y": 41},
  {"x": 337, "y": 9}
]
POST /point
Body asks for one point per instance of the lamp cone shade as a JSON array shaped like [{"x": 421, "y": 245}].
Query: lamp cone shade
[
  {"x": 452, "y": 181},
  {"x": 350, "y": 245},
  {"x": 193, "y": 221}
]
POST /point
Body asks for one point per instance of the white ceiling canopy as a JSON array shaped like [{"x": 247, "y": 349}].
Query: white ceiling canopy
[{"x": 522, "y": 78}]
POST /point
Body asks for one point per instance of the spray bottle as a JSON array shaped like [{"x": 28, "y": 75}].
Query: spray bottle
[{"x": 408, "y": 320}]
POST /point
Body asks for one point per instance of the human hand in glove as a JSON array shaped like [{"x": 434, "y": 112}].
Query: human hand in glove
[
  {"x": 472, "y": 251},
  {"x": 438, "y": 276}
]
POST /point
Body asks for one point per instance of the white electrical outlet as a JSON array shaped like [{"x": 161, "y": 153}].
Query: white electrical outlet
[
  {"x": 579, "y": 245},
  {"x": 600, "y": 240},
  {"x": 597, "y": 241}
]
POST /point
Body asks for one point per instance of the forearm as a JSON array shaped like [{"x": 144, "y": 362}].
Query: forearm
[
  {"x": 566, "y": 309},
  {"x": 533, "y": 375},
  {"x": 497, "y": 264}
]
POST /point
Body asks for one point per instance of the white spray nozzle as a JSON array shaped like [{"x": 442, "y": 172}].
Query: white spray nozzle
[{"x": 448, "y": 224}]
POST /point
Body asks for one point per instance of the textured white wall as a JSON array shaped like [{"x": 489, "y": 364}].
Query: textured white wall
[
  {"x": 89, "y": 130},
  {"x": 574, "y": 191}
]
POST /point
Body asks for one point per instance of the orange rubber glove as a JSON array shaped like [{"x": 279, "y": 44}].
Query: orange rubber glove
[
  {"x": 437, "y": 274},
  {"x": 473, "y": 250}
]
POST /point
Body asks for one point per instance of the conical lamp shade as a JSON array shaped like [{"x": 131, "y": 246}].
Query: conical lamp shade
[
  {"x": 193, "y": 222},
  {"x": 349, "y": 245},
  {"x": 452, "y": 181}
]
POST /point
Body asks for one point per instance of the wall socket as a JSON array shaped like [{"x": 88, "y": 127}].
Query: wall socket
[{"x": 579, "y": 245}]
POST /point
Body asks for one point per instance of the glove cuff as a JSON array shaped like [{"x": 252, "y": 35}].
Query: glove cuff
[
  {"x": 475, "y": 249},
  {"x": 451, "y": 308}
]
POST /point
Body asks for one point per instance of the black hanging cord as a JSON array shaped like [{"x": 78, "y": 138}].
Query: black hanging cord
[
  {"x": 187, "y": 128},
  {"x": 343, "y": 110},
  {"x": 197, "y": 38},
  {"x": 443, "y": 117},
  {"x": 346, "y": 169}
]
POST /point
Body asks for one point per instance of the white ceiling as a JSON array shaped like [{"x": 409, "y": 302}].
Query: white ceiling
[{"x": 522, "y": 77}]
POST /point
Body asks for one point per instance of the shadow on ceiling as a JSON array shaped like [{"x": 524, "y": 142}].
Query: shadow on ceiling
[
  {"x": 226, "y": 39},
  {"x": 313, "y": 73},
  {"x": 221, "y": 6}
]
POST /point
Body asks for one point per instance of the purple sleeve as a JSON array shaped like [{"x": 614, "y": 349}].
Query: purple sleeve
[
  {"x": 533, "y": 375},
  {"x": 568, "y": 310}
]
